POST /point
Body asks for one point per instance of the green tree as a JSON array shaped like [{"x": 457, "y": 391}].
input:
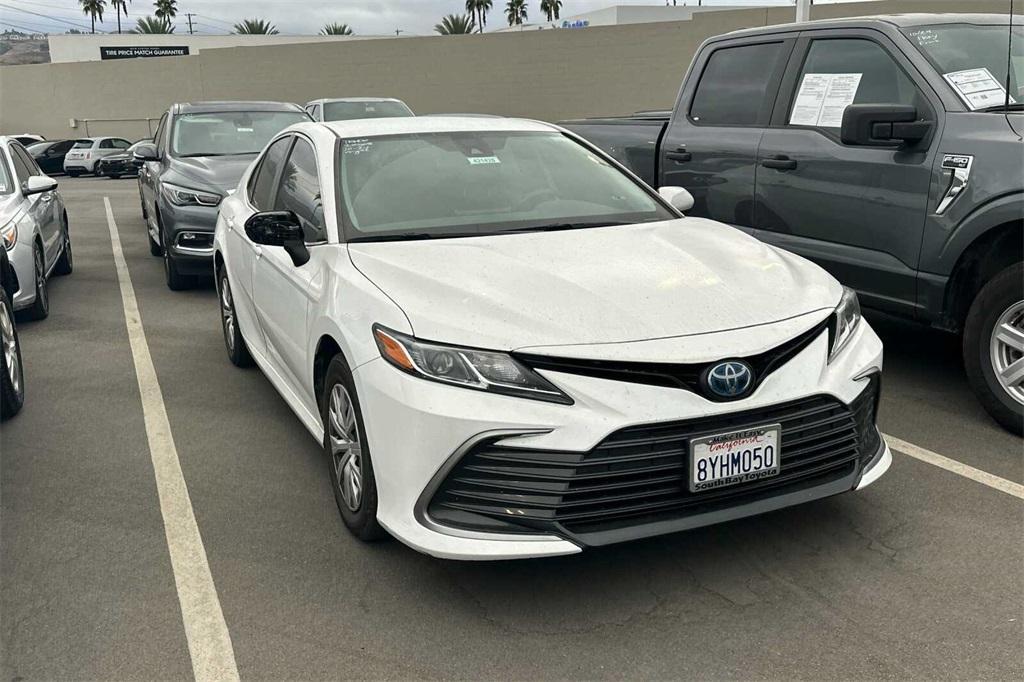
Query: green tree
[
  {"x": 478, "y": 9},
  {"x": 551, "y": 8},
  {"x": 336, "y": 30},
  {"x": 454, "y": 24},
  {"x": 166, "y": 9},
  {"x": 255, "y": 26},
  {"x": 120, "y": 6},
  {"x": 153, "y": 25},
  {"x": 515, "y": 12},
  {"x": 93, "y": 9}
]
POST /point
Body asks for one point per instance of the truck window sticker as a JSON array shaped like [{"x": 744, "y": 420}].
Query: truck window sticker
[
  {"x": 978, "y": 88},
  {"x": 823, "y": 97}
]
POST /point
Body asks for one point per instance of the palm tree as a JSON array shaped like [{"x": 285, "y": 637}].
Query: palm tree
[
  {"x": 120, "y": 6},
  {"x": 153, "y": 25},
  {"x": 255, "y": 26},
  {"x": 93, "y": 9},
  {"x": 166, "y": 9},
  {"x": 551, "y": 8},
  {"x": 478, "y": 9},
  {"x": 455, "y": 24},
  {"x": 515, "y": 12},
  {"x": 336, "y": 30}
]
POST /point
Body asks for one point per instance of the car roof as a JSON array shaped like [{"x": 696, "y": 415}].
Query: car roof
[
  {"x": 369, "y": 127},
  {"x": 326, "y": 100},
  {"x": 210, "y": 107},
  {"x": 898, "y": 20}
]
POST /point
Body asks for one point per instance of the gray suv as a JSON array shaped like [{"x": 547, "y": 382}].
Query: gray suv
[
  {"x": 886, "y": 149},
  {"x": 197, "y": 157}
]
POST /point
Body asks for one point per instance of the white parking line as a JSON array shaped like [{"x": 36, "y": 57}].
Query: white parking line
[
  {"x": 209, "y": 643},
  {"x": 935, "y": 459}
]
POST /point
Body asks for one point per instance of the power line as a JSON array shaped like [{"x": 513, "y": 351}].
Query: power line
[
  {"x": 45, "y": 16},
  {"x": 21, "y": 29}
]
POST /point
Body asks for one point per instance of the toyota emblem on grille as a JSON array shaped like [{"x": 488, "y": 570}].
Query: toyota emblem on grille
[{"x": 730, "y": 379}]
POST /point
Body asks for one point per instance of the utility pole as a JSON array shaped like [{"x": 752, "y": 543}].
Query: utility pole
[
  {"x": 189, "y": 15},
  {"x": 803, "y": 10},
  {"x": 398, "y": 31}
]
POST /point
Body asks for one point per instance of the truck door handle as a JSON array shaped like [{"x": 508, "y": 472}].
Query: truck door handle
[
  {"x": 780, "y": 162},
  {"x": 680, "y": 155}
]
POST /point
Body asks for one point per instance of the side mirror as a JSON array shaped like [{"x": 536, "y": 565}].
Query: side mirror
[
  {"x": 882, "y": 125},
  {"x": 38, "y": 184},
  {"x": 680, "y": 199},
  {"x": 146, "y": 152},
  {"x": 279, "y": 228}
]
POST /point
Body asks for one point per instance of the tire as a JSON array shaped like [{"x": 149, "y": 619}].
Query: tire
[
  {"x": 12, "y": 376},
  {"x": 234, "y": 342},
  {"x": 40, "y": 308},
  {"x": 998, "y": 306},
  {"x": 72, "y": 174},
  {"x": 66, "y": 262},
  {"x": 114, "y": 176},
  {"x": 175, "y": 280},
  {"x": 145, "y": 215},
  {"x": 154, "y": 248},
  {"x": 359, "y": 513}
]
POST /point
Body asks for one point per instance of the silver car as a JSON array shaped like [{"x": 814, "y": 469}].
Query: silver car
[
  {"x": 348, "y": 108},
  {"x": 33, "y": 228},
  {"x": 83, "y": 156}
]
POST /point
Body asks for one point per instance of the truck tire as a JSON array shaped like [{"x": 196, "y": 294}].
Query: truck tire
[{"x": 994, "y": 347}]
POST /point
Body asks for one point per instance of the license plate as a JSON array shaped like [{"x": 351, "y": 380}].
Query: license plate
[{"x": 736, "y": 457}]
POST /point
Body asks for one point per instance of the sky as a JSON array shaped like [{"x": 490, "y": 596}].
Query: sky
[{"x": 368, "y": 17}]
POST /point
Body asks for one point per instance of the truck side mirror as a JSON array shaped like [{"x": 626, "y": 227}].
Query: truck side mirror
[{"x": 882, "y": 125}]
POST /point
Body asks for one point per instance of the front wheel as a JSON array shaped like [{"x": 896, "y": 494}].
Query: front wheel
[
  {"x": 348, "y": 454},
  {"x": 12, "y": 378},
  {"x": 40, "y": 308},
  {"x": 66, "y": 262},
  {"x": 175, "y": 280},
  {"x": 238, "y": 351},
  {"x": 994, "y": 347}
]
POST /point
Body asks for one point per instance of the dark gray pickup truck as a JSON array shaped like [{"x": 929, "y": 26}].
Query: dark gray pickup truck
[{"x": 886, "y": 149}]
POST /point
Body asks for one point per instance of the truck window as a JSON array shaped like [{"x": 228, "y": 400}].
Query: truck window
[
  {"x": 734, "y": 86},
  {"x": 842, "y": 71}
]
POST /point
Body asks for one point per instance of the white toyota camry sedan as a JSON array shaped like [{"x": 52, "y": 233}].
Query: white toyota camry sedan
[{"x": 509, "y": 346}]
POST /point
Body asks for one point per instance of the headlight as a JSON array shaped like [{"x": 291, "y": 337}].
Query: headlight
[
  {"x": 468, "y": 367},
  {"x": 9, "y": 233},
  {"x": 843, "y": 323},
  {"x": 183, "y": 196}
]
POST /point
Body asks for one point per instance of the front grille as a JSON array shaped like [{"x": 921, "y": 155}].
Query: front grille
[{"x": 638, "y": 475}]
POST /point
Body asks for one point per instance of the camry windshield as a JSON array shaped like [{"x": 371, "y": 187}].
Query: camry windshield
[
  {"x": 226, "y": 133},
  {"x": 474, "y": 183},
  {"x": 972, "y": 58},
  {"x": 346, "y": 111},
  {"x": 6, "y": 186}
]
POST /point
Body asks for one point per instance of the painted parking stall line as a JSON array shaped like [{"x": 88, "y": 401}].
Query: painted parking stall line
[
  {"x": 209, "y": 642},
  {"x": 959, "y": 468}
]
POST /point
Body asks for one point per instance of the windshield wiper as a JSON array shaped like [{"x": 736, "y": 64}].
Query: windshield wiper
[
  {"x": 1013, "y": 106},
  {"x": 557, "y": 227},
  {"x": 411, "y": 236}
]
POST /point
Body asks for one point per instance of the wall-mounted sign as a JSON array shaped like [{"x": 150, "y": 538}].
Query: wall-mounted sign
[
  {"x": 135, "y": 51},
  {"x": 579, "y": 23}
]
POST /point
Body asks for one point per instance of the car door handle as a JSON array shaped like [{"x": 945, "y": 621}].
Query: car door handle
[
  {"x": 680, "y": 155},
  {"x": 780, "y": 162}
]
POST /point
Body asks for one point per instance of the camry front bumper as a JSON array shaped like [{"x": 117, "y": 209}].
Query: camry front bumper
[{"x": 419, "y": 431}]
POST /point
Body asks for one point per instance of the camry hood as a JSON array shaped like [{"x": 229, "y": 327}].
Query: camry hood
[
  {"x": 221, "y": 173},
  {"x": 593, "y": 286}
]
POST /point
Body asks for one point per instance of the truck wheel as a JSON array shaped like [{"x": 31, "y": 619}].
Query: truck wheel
[{"x": 994, "y": 347}]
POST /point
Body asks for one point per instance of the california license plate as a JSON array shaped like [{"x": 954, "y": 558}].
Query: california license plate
[{"x": 736, "y": 457}]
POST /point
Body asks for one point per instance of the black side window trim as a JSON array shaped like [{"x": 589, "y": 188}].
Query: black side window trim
[
  {"x": 276, "y": 186},
  {"x": 296, "y": 137}
]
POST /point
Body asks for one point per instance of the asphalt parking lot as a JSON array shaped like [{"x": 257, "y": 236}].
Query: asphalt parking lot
[{"x": 918, "y": 576}]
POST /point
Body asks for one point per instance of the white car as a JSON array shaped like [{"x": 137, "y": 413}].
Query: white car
[
  {"x": 87, "y": 151},
  {"x": 509, "y": 346},
  {"x": 33, "y": 228},
  {"x": 348, "y": 108}
]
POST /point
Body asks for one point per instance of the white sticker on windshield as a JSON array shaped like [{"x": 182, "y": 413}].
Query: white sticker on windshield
[
  {"x": 357, "y": 146},
  {"x": 823, "y": 97},
  {"x": 244, "y": 130},
  {"x": 3, "y": 187},
  {"x": 978, "y": 88},
  {"x": 482, "y": 160}
]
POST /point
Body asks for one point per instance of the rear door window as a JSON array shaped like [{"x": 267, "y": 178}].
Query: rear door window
[
  {"x": 261, "y": 186},
  {"x": 106, "y": 144},
  {"x": 734, "y": 88},
  {"x": 83, "y": 144}
]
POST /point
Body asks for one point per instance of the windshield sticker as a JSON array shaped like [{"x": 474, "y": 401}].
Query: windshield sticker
[
  {"x": 3, "y": 188},
  {"x": 925, "y": 36},
  {"x": 357, "y": 146},
  {"x": 482, "y": 160},
  {"x": 823, "y": 97},
  {"x": 244, "y": 130},
  {"x": 978, "y": 88}
]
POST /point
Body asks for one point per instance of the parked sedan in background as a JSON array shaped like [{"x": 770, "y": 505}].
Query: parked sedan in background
[
  {"x": 27, "y": 138},
  {"x": 509, "y": 346},
  {"x": 33, "y": 228},
  {"x": 50, "y": 154},
  {"x": 348, "y": 108},
  {"x": 199, "y": 152},
  {"x": 123, "y": 163},
  {"x": 12, "y": 376},
  {"x": 86, "y": 152}
]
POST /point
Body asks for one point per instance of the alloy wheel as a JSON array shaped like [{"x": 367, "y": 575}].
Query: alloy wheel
[
  {"x": 346, "y": 450},
  {"x": 227, "y": 313},
  {"x": 1006, "y": 350},
  {"x": 41, "y": 292},
  {"x": 9, "y": 347}
]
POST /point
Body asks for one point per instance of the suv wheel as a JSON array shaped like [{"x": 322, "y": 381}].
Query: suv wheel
[
  {"x": 994, "y": 347},
  {"x": 40, "y": 308},
  {"x": 175, "y": 280},
  {"x": 12, "y": 378}
]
